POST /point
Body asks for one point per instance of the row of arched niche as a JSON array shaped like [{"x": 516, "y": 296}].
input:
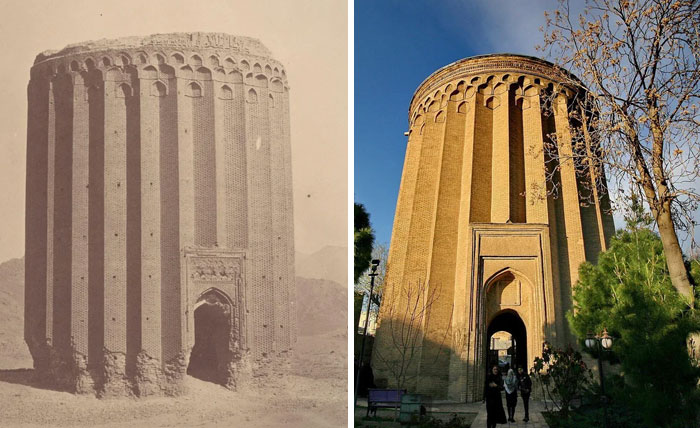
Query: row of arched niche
[
  {"x": 176, "y": 59},
  {"x": 491, "y": 86},
  {"x": 195, "y": 90},
  {"x": 161, "y": 77}
]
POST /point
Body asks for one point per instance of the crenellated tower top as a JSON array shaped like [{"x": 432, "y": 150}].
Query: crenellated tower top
[
  {"x": 215, "y": 51},
  {"x": 487, "y": 71}
]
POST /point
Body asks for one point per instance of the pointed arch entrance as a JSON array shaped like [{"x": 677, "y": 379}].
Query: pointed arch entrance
[
  {"x": 212, "y": 352},
  {"x": 510, "y": 304}
]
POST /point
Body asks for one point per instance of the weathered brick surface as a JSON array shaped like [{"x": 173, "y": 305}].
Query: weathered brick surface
[
  {"x": 158, "y": 181},
  {"x": 477, "y": 222}
]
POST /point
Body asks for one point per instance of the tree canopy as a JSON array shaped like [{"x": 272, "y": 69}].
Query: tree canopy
[
  {"x": 364, "y": 240},
  {"x": 629, "y": 293}
]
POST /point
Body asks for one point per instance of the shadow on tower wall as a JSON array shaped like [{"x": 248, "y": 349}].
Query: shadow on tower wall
[{"x": 453, "y": 369}]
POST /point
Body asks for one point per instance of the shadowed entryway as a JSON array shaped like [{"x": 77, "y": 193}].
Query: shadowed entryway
[
  {"x": 211, "y": 353},
  {"x": 509, "y": 321}
]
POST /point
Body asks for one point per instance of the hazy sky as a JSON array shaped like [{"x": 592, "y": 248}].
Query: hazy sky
[{"x": 308, "y": 36}]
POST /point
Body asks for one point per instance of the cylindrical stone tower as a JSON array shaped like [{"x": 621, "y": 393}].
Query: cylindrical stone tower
[
  {"x": 159, "y": 233},
  {"x": 490, "y": 227}
]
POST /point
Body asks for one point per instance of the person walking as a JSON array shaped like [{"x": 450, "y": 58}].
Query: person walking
[
  {"x": 511, "y": 386},
  {"x": 492, "y": 397},
  {"x": 525, "y": 387}
]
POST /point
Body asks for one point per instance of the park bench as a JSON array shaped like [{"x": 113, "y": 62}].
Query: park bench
[{"x": 387, "y": 398}]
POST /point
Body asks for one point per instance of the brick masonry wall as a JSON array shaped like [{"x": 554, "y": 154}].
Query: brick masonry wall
[
  {"x": 473, "y": 207},
  {"x": 140, "y": 151}
]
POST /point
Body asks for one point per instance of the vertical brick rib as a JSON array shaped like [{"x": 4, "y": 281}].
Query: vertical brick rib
[
  {"x": 557, "y": 225},
  {"x": 396, "y": 263},
  {"x": 133, "y": 221},
  {"x": 278, "y": 207},
  {"x": 535, "y": 185},
  {"x": 500, "y": 174},
  {"x": 80, "y": 227},
  {"x": 220, "y": 136},
  {"x": 166, "y": 298},
  {"x": 599, "y": 211},
  {"x": 96, "y": 220},
  {"x": 204, "y": 165},
  {"x": 50, "y": 208},
  {"x": 570, "y": 198},
  {"x": 115, "y": 204},
  {"x": 435, "y": 363},
  {"x": 258, "y": 143},
  {"x": 404, "y": 207},
  {"x": 589, "y": 213},
  {"x": 266, "y": 232},
  {"x": 151, "y": 99},
  {"x": 463, "y": 283},
  {"x": 38, "y": 92},
  {"x": 235, "y": 164},
  {"x": 62, "y": 223},
  {"x": 172, "y": 297},
  {"x": 516, "y": 160},
  {"x": 289, "y": 214},
  {"x": 422, "y": 226},
  {"x": 481, "y": 166}
]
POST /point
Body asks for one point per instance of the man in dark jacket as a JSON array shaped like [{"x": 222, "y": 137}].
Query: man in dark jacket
[
  {"x": 366, "y": 379},
  {"x": 525, "y": 387}
]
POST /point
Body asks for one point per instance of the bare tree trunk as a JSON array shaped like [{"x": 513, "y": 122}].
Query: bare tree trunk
[
  {"x": 672, "y": 250},
  {"x": 661, "y": 209}
]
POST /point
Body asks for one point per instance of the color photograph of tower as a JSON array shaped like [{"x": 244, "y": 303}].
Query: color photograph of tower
[
  {"x": 490, "y": 228},
  {"x": 159, "y": 226}
]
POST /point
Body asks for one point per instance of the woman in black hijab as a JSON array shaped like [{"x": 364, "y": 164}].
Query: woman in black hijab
[{"x": 494, "y": 403}]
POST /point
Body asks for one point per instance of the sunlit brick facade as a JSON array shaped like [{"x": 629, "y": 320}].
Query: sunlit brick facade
[{"x": 490, "y": 228}]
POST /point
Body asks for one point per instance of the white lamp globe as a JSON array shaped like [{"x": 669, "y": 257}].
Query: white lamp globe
[
  {"x": 606, "y": 340},
  {"x": 590, "y": 341}
]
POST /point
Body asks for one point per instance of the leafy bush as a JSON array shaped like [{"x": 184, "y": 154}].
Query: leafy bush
[
  {"x": 454, "y": 422},
  {"x": 562, "y": 374},
  {"x": 592, "y": 416},
  {"x": 629, "y": 292}
]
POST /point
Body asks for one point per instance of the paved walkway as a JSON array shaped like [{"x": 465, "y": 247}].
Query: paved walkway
[
  {"x": 536, "y": 408},
  {"x": 536, "y": 418}
]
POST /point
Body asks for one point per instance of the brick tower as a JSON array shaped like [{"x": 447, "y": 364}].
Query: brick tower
[
  {"x": 159, "y": 233},
  {"x": 481, "y": 242}
]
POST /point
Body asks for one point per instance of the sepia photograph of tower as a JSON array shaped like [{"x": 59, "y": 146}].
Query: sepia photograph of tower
[
  {"x": 174, "y": 227},
  {"x": 160, "y": 233},
  {"x": 489, "y": 232}
]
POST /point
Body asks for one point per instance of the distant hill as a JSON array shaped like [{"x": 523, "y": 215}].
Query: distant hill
[
  {"x": 13, "y": 350},
  {"x": 321, "y": 308},
  {"x": 330, "y": 262}
]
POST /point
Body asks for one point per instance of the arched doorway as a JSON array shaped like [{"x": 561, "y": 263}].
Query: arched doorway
[
  {"x": 212, "y": 354},
  {"x": 508, "y": 321}
]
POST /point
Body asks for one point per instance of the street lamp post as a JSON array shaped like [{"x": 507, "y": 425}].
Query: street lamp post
[
  {"x": 373, "y": 274},
  {"x": 601, "y": 343}
]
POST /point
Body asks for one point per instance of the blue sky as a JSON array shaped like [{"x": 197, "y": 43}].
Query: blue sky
[
  {"x": 400, "y": 43},
  {"x": 397, "y": 45}
]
